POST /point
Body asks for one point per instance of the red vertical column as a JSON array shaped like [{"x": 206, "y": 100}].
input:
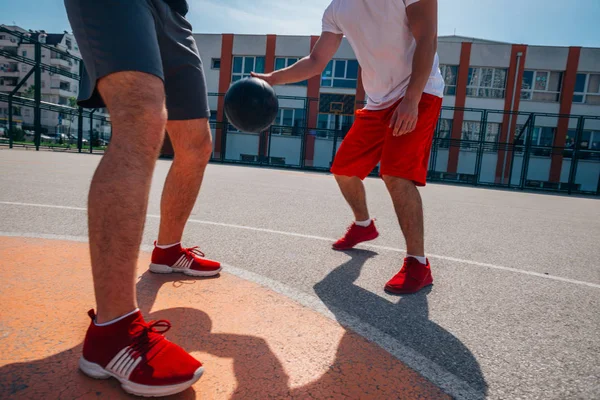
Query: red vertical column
[
  {"x": 566, "y": 101},
  {"x": 515, "y": 72},
  {"x": 263, "y": 143}
]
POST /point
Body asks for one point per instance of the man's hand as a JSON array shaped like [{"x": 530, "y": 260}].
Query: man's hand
[
  {"x": 265, "y": 77},
  {"x": 405, "y": 117}
]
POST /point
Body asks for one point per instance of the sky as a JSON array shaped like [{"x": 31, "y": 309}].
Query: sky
[{"x": 534, "y": 22}]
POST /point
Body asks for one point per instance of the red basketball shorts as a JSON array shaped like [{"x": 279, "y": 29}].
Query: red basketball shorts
[{"x": 370, "y": 141}]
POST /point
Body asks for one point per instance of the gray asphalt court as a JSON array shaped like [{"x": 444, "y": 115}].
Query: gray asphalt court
[{"x": 514, "y": 312}]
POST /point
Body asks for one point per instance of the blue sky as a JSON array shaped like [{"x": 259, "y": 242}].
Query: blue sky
[{"x": 543, "y": 22}]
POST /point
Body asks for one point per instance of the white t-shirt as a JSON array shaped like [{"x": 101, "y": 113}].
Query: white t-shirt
[{"x": 380, "y": 36}]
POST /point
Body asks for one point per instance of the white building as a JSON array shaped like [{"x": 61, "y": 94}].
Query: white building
[
  {"x": 55, "y": 88},
  {"x": 479, "y": 74}
]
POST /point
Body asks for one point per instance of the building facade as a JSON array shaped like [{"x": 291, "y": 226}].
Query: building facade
[
  {"x": 55, "y": 88},
  {"x": 510, "y": 81}
]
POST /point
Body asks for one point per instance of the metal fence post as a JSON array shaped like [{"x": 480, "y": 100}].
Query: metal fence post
[
  {"x": 37, "y": 112},
  {"x": 525, "y": 166},
  {"x": 480, "y": 149},
  {"x": 92, "y": 130},
  {"x": 574, "y": 159},
  {"x": 80, "y": 129}
]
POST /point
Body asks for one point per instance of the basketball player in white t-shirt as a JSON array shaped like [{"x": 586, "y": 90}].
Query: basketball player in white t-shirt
[{"x": 395, "y": 42}]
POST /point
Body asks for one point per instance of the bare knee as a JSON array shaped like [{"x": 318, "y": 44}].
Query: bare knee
[
  {"x": 398, "y": 184},
  {"x": 192, "y": 140},
  {"x": 136, "y": 103}
]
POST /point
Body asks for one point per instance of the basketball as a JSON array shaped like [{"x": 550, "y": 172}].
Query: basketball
[{"x": 251, "y": 105}]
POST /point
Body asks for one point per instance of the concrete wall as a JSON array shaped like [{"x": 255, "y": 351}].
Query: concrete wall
[
  {"x": 449, "y": 52},
  {"x": 292, "y": 46},
  {"x": 249, "y": 45},
  {"x": 589, "y": 60},
  {"x": 547, "y": 58},
  {"x": 241, "y": 143},
  {"x": 288, "y": 147},
  {"x": 491, "y": 55},
  {"x": 209, "y": 47}
]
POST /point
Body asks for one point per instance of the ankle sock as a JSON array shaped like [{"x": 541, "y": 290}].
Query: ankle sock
[
  {"x": 422, "y": 260},
  {"x": 117, "y": 319},
  {"x": 364, "y": 224},
  {"x": 167, "y": 246}
]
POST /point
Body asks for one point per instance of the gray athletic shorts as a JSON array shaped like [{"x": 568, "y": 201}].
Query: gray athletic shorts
[{"x": 139, "y": 35}]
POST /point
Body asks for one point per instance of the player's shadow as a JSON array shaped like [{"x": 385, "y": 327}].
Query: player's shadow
[{"x": 405, "y": 318}]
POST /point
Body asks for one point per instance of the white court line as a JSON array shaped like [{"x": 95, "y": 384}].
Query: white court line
[
  {"x": 434, "y": 373},
  {"x": 372, "y": 246}
]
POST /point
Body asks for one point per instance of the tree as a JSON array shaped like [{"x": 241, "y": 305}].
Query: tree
[{"x": 29, "y": 92}]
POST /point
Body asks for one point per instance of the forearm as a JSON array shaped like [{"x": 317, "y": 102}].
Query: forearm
[
  {"x": 304, "y": 69},
  {"x": 421, "y": 67}
]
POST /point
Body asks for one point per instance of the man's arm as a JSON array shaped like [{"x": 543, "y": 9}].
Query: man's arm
[
  {"x": 422, "y": 19},
  {"x": 310, "y": 65}
]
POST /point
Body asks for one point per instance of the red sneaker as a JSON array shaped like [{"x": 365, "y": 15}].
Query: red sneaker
[
  {"x": 189, "y": 261},
  {"x": 413, "y": 276},
  {"x": 137, "y": 354},
  {"x": 355, "y": 235}
]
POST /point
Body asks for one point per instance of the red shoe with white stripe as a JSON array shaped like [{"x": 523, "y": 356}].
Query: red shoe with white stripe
[
  {"x": 137, "y": 354},
  {"x": 189, "y": 261}
]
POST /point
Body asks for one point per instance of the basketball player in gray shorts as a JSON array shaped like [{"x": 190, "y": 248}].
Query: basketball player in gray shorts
[{"x": 142, "y": 63}]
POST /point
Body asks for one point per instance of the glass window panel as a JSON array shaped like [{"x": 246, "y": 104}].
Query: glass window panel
[
  {"x": 288, "y": 117},
  {"x": 555, "y": 81},
  {"x": 248, "y": 65},
  {"x": 486, "y": 77},
  {"x": 299, "y": 117},
  {"x": 279, "y": 63},
  {"x": 340, "y": 69},
  {"x": 328, "y": 71},
  {"x": 500, "y": 78},
  {"x": 323, "y": 121},
  {"x": 580, "y": 83},
  {"x": 595, "y": 141},
  {"x": 525, "y": 95},
  {"x": 236, "y": 78},
  {"x": 344, "y": 83},
  {"x": 473, "y": 77},
  {"x": 450, "y": 90},
  {"x": 326, "y": 82},
  {"x": 592, "y": 99},
  {"x": 472, "y": 92},
  {"x": 451, "y": 74},
  {"x": 493, "y": 132},
  {"x": 547, "y": 137},
  {"x": 545, "y": 97},
  {"x": 291, "y": 61},
  {"x": 352, "y": 72},
  {"x": 578, "y": 98},
  {"x": 584, "y": 142},
  {"x": 527, "y": 80},
  {"x": 260, "y": 65},
  {"x": 237, "y": 65},
  {"x": 541, "y": 80},
  {"x": 594, "y": 83}
]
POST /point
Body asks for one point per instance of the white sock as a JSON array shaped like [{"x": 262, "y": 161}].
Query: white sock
[
  {"x": 167, "y": 246},
  {"x": 422, "y": 260},
  {"x": 117, "y": 319},
  {"x": 364, "y": 224}
]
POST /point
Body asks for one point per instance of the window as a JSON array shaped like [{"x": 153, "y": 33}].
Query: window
[
  {"x": 43, "y": 84},
  {"x": 215, "y": 63},
  {"x": 472, "y": 130},
  {"x": 24, "y": 68},
  {"x": 541, "y": 86},
  {"x": 284, "y": 62},
  {"x": 24, "y": 53},
  {"x": 340, "y": 74},
  {"x": 243, "y": 65},
  {"x": 327, "y": 121},
  {"x": 288, "y": 121},
  {"x": 590, "y": 140},
  {"x": 69, "y": 45},
  {"x": 542, "y": 136},
  {"x": 587, "y": 89},
  {"x": 449, "y": 73},
  {"x": 486, "y": 82}
]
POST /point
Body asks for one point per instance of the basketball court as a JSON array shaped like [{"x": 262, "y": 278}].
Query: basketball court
[{"x": 513, "y": 313}]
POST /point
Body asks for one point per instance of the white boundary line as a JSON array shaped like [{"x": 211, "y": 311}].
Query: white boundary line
[
  {"x": 372, "y": 246},
  {"x": 434, "y": 373}
]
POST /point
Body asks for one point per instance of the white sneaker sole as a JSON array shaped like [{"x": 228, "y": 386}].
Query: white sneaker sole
[
  {"x": 165, "y": 269},
  {"x": 97, "y": 372}
]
